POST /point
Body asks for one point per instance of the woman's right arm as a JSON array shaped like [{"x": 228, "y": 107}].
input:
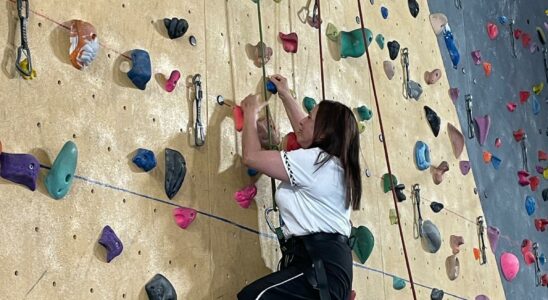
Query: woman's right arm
[{"x": 292, "y": 108}]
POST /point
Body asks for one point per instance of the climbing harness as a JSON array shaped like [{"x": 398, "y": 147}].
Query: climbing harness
[
  {"x": 416, "y": 200},
  {"x": 524, "y": 153},
  {"x": 23, "y": 50},
  {"x": 512, "y": 40},
  {"x": 412, "y": 89},
  {"x": 471, "y": 129},
  {"x": 458, "y": 4},
  {"x": 199, "y": 134},
  {"x": 481, "y": 228}
]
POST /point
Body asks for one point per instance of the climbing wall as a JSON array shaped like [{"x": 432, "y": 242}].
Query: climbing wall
[{"x": 50, "y": 247}]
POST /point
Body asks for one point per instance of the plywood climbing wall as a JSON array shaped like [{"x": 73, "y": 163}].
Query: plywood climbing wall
[{"x": 50, "y": 247}]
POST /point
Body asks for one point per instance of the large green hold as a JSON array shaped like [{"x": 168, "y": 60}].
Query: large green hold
[
  {"x": 61, "y": 175},
  {"x": 364, "y": 113},
  {"x": 398, "y": 283},
  {"x": 309, "y": 104},
  {"x": 364, "y": 242},
  {"x": 387, "y": 187},
  {"x": 352, "y": 44}
]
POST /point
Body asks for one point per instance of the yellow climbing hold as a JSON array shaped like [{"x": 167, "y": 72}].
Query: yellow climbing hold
[
  {"x": 332, "y": 32},
  {"x": 393, "y": 217},
  {"x": 537, "y": 89},
  {"x": 361, "y": 127},
  {"x": 25, "y": 66},
  {"x": 545, "y": 173}
]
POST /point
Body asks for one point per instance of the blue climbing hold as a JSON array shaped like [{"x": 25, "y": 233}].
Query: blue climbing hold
[
  {"x": 542, "y": 259},
  {"x": 451, "y": 46},
  {"x": 495, "y": 161},
  {"x": 271, "y": 87},
  {"x": 530, "y": 205},
  {"x": 141, "y": 70},
  {"x": 422, "y": 155},
  {"x": 144, "y": 159},
  {"x": 503, "y": 20},
  {"x": 252, "y": 172},
  {"x": 384, "y": 12},
  {"x": 535, "y": 104}
]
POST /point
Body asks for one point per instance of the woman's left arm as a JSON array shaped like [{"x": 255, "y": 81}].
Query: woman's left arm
[{"x": 268, "y": 162}]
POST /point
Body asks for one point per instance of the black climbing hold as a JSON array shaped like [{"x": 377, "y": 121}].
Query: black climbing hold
[
  {"x": 399, "y": 192},
  {"x": 176, "y": 27},
  {"x": 433, "y": 120},
  {"x": 192, "y": 40},
  {"x": 413, "y": 7},
  {"x": 159, "y": 288},
  {"x": 436, "y": 294},
  {"x": 436, "y": 206},
  {"x": 545, "y": 195},
  {"x": 393, "y": 49},
  {"x": 175, "y": 172}
]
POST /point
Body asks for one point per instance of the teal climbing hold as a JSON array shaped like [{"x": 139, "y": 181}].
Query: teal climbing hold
[
  {"x": 398, "y": 283},
  {"x": 309, "y": 104},
  {"x": 61, "y": 175},
  {"x": 364, "y": 113},
  {"x": 380, "y": 40},
  {"x": 364, "y": 242},
  {"x": 352, "y": 44}
]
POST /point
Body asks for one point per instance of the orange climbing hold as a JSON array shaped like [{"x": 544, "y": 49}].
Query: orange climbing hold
[
  {"x": 487, "y": 68},
  {"x": 487, "y": 157},
  {"x": 238, "y": 115},
  {"x": 477, "y": 253}
]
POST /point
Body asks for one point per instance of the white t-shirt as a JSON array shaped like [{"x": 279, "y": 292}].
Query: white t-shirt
[{"x": 314, "y": 199}]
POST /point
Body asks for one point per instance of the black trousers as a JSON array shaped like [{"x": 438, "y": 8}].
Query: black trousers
[{"x": 292, "y": 282}]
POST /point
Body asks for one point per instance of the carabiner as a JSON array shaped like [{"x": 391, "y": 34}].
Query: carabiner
[
  {"x": 199, "y": 134},
  {"x": 23, "y": 50}
]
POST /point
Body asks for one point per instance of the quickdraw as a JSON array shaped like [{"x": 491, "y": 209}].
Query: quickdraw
[
  {"x": 199, "y": 134},
  {"x": 481, "y": 240},
  {"x": 471, "y": 130},
  {"x": 23, "y": 50},
  {"x": 512, "y": 40},
  {"x": 524, "y": 153},
  {"x": 412, "y": 89},
  {"x": 458, "y": 4},
  {"x": 416, "y": 199}
]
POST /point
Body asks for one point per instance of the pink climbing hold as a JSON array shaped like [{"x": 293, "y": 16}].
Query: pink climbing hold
[
  {"x": 464, "y": 166},
  {"x": 511, "y": 106},
  {"x": 534, "y": 182},
  {"x": 518, "y": 134},
  {"x": 245, "y": 196},
  {"x": 509, "y": 264},
  {"x": 454, "y": 94},
  {"x": 238, "y": 115},
  {"x": 172, "y": 81},
  {"x": 527, "y": 251},
  {"x": 523, "y": 96},
  {"x": 493, "y": 234},
  {"x": 517, "y": 33},
  {"x": 492, "y": 30},
  {"x": 498, "y": 142},
  {"x": 184, "y": 216},
  {"x": 290, "y": 42},
  {"x": 484, "y": 124},
  {"x": 476, "y": 57},
  {"x": 525, "y": 40},
  {"x": 523, "y": 178},
  {"x": 542, "y": 155}
]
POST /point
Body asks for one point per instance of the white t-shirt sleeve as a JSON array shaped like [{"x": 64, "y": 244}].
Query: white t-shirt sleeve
[{"x": 299, "y": 165}]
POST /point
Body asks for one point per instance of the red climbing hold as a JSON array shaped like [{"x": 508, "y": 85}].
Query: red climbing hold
[
  {"x": 238, "y": 115},
  {"x": 542, "y": 155},
  {"x": 498, "y": 142},
  {"x": 245, "y": 196},
  {"x": 523, "y": 96},
  {"x": 492, "y": 30},
  {"x": 511, "y": 106},
  {"x": 540, "y": 224},
  {"x": 534, "y": 182},
  {"x": 544, "y": 280},
  {"x": 523, "y": 178},
  {"x": 184, "y": 216},
  {"x": 352, "y": 295},
  {"x": 291, "y": 142},
  {"x": 290, "y": 42},
  {"x": 518, "y": 135},
  {"x": 487, "y": 68},
  {"x": 527, "y": 251},
  {"x": 517, "y": 33},
  {"x": 525, "y": 40}
]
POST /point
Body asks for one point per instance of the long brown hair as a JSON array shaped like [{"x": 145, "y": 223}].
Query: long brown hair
[{"x": 336, "y": 133}]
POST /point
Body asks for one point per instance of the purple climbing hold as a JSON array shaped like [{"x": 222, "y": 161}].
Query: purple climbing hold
[
  {"x": 464, "y": 166},
  {"x": 454, "y": 94},
  {"x": 493, "y": 234},
  {"x": 539, "y": 169},
  {"x": 111, "y": 242},
  {"x": 481, "y": 297},
  {"x": 483, "y": 124},
  {"x": 20, "y": 168},
  {"x": 476, "y": 57}
]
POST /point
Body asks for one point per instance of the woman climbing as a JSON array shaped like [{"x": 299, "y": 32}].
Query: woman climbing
[{"x": 320, "y": 184}]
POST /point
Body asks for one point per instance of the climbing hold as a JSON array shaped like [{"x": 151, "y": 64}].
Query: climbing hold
[
  {"x": 332, "y": 32},
  {"x": 517, "y": 33},
  {"x": 540, "y": 224},
  {"x": 384, "y": 12},
  {"x": 436, "y": 206},
  {"x": 498, "y": 142},
  {"x": 523, "y": 179},
  {"x": 535, "y": 105},
  {"x": 432, "y": 77},
  {"x": 141, "y": 69},
  {"x": 539, "y": 169},
  {"x": 542, "y": 155},
  {"x": 422, "y": 155},
  {"x": 171, "y": 83},
  {"x": 436, "y": 294},
  {"x": 518, "y": 134},
  {"x": 184, "y": 216},
  {"x": 433, "y": 120},
  {"x": 483, "y": 124},
  {"x": 192, "y": 40},
  {"x": 492, "y": 30},
  {"x": 511, "y": 106},
  {"x": 24, "y": 65},
  {"x": 389, "y": 69},
  {"x": 451, "y": 46},
  {"x": 487, "y": 68},
  {"x": 252, "y": 172},
  {"x": 393, "y": 49},
  {"x": 493, "y": 234},
  {"x": 430, "y": 237},
  {"x": 525, "y": 40},
  {"x": 541, "y": 36},
  {"x": 545, "y": 173},
  {"x": 84, "y": 44},
  {"x": 509, "y": 264},
  {"x": 20, "y": 168},
  {"x": 111, "y": 242},
  {"x": 399, "y": 192},
  {"x": 176, "y": 27},
  {"x": 544, "y": 280},
  {"x": 392, "y": 216},
  {"x": 523, "y": 96},
  {"x": 245, "y": 196},
  {"x": 542, "y": 259},
  {"x": 503, "y": 20},
  {"x": 387, "y": 185},
  {"x": 533, "y": 47},
  {"x": 380, "y": 40},
  {"x": 290, "y": 42},
  {"x": 398, "y": 283},
  {"x": 159, "y": 288},
  {"x": 437, "y": 172},
  {"x": 481, "y": 297},
  {"x": 260, "y": 50},
  {"x": 438, "y": 22},
  {"x": 454, "y": 242},
  {"x": 452, "y": 267},
  {"x": 309, "y": 104},
  {"x": 413, "y": 7},
  {"x": 144, "y": 159},
  {"x": 530, "y": 205},
  {"x": 477, "y": 253},
  {"x": 291, "y": 142},
  {"x": 464, "y": 166},
  {"x": 476, "y": 57},
  {"x": 238, "y": 116},
  {"x": 487, "y": 156},
  {"x": 364, "y": 242},
  {"x": 60, "y": 176},
  {"x": 271, "y": 87},
  {"x": 495, "y": 162},
  {"x": 364, "y": 113},
  {"x": 456, "y": 138},
  {"x": 454, "y": 94},
  {"x": 534, "y": 182},
  {"x": 352, "y": 43},
  {"x": 527, "y": 251},
  {"x": 175, "y": 172}
]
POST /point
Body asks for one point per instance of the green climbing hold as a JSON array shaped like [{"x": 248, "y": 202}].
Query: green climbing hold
[
  {"x": 386, "y": 182},
  {"x": 309, "y": 104},
  {"x": 380, "y": 40},
  {"x": 332, "y": 32},
  {"x": 364, "y": 242},
  {"x": 352, "y": 44},
  {"x": 398, "y": 283},
  {"x": 59, "y": 179},
  {"x": 364, "y": 113}
]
